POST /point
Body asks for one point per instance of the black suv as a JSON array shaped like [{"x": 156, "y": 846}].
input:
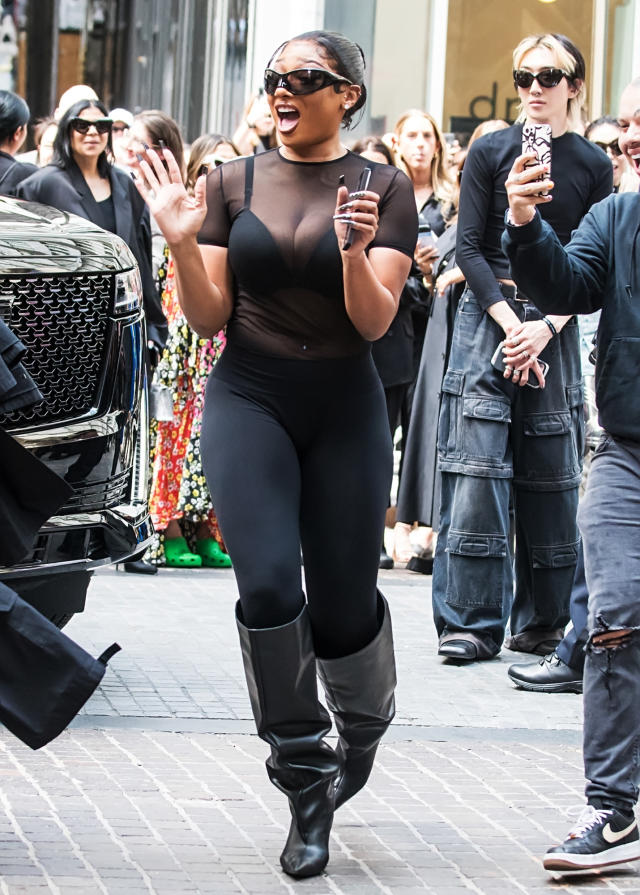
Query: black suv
[{"x": 71, "y": 293}]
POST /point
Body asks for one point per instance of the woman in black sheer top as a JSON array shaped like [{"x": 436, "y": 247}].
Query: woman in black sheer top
[{"x": 295, "y": 440}]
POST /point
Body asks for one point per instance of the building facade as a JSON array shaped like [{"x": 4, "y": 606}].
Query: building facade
[{"x": 200, "y": 60}]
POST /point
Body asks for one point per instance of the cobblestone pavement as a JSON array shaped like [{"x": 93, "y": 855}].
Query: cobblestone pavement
[{"x": 159, "y": 788}]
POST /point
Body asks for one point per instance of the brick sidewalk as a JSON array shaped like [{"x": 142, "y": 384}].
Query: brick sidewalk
[{"x": 158, "y": 787}]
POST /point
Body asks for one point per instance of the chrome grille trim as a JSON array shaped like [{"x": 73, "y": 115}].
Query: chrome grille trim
[{"x": 63, "y": 322}]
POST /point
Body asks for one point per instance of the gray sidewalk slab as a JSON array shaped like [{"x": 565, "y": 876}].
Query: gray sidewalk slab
[{"x": 159, "y": 786}]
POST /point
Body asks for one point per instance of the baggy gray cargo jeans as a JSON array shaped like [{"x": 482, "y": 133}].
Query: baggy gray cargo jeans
[{"x": 498, "y": 441}]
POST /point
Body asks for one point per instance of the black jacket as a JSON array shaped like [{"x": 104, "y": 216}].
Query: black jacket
[
  {"x": 599, "y": 268},
  {"x": 12, "y": 173},
  {"x": 67, "y": 190}
]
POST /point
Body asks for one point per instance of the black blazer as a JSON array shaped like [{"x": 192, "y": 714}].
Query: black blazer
[
  {"x": 66, "y": 189},
  {"x": 12, "y": 173}
]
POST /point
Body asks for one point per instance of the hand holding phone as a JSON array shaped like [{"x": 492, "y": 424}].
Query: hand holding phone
[
  {"x": 498, "y": 361},
  {"x": 426, "y": 237},
  {"x": 363, "y": 186}
]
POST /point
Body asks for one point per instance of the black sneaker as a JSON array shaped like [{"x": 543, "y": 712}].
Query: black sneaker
[
  {"x": 600, "y": 838},
  {"x": 549, "y": 675}
]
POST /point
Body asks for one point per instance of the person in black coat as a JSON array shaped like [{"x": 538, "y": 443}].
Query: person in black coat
[
  {"x": 82, "y": 180},
  {"x": 14, "y": 117}
]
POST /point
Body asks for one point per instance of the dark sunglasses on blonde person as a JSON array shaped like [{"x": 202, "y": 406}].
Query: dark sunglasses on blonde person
[
  {"x": 301, "y": 81},
  {"x": 83, "y": 125},
  {"x": 546, "y": 77}
]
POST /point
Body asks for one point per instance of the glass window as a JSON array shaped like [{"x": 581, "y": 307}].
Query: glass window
[
  {"x": 619, "y": 52},
  {"x": 480, "y": 40},
  {"x": 235, "y": 66}
]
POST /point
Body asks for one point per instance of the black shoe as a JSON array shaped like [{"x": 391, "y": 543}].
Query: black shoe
[
  {"x": 421, "y": 564},
  {"x": 549, "y": 675},
  {"x": 600, "y": 838},
  {"x": 386, "y": 562},
  {"x": 139, "y": 567},
  {"x": 465, "y": 647},
  {"x": 538, "y": 641}
]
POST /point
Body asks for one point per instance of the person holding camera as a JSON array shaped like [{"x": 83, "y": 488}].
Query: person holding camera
[
  {"x": 598, "y": 270},
  {"x": 508, "y": 433}
]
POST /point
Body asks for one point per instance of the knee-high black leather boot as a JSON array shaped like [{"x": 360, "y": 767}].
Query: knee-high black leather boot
[
  {"x": 280, "y": 667},
  {"x": 359, "y": 690}
]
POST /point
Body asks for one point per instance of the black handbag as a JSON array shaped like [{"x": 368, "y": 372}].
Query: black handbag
[{"x": 45, "y": 678}]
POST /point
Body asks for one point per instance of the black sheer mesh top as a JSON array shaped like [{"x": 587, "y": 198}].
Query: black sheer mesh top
[{"x": 276, "y": 218}]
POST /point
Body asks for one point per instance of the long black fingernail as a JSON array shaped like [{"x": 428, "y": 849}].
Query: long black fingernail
[
  {"x": 341, "y": 180},
  {"x": 138, "y": 156},
  {"x": 133, "y": 175},
  {"x": 203, "y": 169},
  {"x": 146, "y": 146}
]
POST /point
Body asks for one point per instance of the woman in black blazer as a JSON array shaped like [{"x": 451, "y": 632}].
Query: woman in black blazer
[{"x": 82, "y": 180}]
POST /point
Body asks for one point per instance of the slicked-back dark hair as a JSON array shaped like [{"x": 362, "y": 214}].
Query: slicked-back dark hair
[
  {"x": 346, "y": 57},
  {"x": 14, "y": 113},
  {"x": 62, "y": 154}
]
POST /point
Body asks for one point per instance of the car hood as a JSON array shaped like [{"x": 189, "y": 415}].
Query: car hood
[{"x": 36, "y": 238}]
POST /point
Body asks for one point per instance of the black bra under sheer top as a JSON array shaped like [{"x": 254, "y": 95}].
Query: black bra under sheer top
[{"x": 275, "y": 217}]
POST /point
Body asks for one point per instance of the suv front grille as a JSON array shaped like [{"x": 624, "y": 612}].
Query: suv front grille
[
  {"x": 98, "y": 495},
  {"x": 62, "y": 321}
]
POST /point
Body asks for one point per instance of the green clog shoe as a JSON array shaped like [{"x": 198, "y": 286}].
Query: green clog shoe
[
  {"x": 212, "y": 554},
  {"x": 178, "y": 556}
]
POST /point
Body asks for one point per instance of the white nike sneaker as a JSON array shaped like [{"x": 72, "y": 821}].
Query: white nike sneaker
[{"x": 600, "y": 838}]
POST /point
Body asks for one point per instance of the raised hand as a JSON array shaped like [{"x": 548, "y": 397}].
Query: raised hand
[{"x": 178, "y": 214}]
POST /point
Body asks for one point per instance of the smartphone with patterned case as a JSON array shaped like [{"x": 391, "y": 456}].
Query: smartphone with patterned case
[{"x": 537, "y": 138}]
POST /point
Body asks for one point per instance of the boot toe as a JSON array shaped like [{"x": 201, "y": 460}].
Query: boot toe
[{"x": 301, "y": 858}]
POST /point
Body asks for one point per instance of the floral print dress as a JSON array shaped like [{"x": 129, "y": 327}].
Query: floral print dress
[{"x": 178, "y": 488}]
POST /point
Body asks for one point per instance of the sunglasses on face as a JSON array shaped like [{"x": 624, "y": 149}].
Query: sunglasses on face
[
  {"x": 613, "y": 147},
  {"x": 546, "y": 77},
  {"x": 301, "y": 81},
  {"x": 82, "y": 125}
]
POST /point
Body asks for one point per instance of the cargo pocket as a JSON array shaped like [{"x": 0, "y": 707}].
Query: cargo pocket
[
  {"x": 575, "y": 402},
  {"x": 470, "y": 584},
  {"x": 549, "y": 451},
  {"x": 557, "y": 556},
  {"x": 485, "y": 427},
  {"x": 449, "y": 426}
]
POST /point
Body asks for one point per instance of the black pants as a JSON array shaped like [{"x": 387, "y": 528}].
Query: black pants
[{"x": 297, "y": 453}]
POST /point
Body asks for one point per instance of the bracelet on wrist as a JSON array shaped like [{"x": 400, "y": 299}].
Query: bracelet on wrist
[{"x": 554, "y": 331}]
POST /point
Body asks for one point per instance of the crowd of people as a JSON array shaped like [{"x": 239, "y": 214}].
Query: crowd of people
[{"x": 307, "y": 304}]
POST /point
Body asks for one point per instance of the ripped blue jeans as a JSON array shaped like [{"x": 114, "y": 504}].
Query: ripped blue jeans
[
  {"x": 501, "y": 445},
  {"x": 609, "y": 519}
]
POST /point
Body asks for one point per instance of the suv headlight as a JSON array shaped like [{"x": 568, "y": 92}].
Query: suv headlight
[{"x": 128, "y": 292}]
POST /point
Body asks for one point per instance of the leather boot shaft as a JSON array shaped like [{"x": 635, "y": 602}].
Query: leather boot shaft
[
  {"x": 280, "y": 668},
  {"x": 360, "y": 693}
]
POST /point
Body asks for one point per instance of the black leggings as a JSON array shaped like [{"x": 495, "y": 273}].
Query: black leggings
[{"x": 297, "y": 453}]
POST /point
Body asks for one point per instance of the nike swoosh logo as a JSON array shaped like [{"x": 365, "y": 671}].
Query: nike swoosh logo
[{"x": 611, "y": 836}]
